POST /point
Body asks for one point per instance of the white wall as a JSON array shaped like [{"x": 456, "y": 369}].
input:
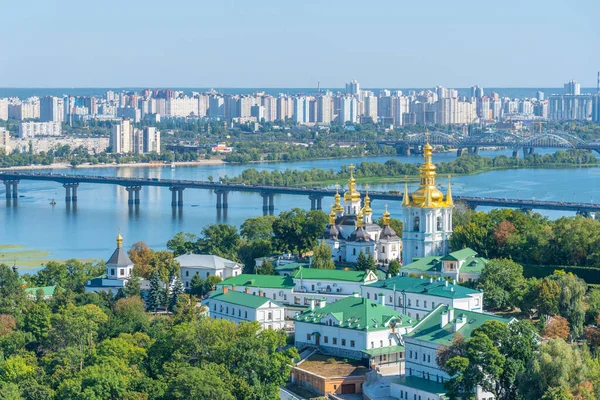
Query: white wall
[{"x": 236, "y": 313}]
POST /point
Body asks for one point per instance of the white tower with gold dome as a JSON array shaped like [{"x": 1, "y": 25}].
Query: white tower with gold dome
[
  {"x": 427, "y": 216},
  {"x": 351, "y": 197}
]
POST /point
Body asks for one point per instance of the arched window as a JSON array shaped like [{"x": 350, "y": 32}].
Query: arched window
[
  {"x": 439, "y": 223},
  {"x": 416, "y": 224}
]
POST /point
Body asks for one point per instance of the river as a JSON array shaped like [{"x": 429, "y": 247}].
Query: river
[{"x": 89, "y": 230}]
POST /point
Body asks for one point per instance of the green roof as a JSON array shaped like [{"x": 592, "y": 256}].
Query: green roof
[
  {"x": 425, "y": 264},
  {"x": 460, "y": 254},
  {"x": 47, "y": 290},
  {"x": 431, "y": 287},
  {"x": 290, "y": 266},
  {"x": 429, "y": 329},
  {"x": 425, "y": 385},
  {"x": 241, "y": 299},
  {"x": 331, "y": 275},
  {"x": 384, "y": 350},
  {"x": 357, "y": 313},
  {"x": 259, "y": 281}
]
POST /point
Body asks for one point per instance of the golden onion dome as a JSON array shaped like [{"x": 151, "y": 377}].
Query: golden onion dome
[
  {"x": 351, "y": 194},
  {"x": 119, "y": 240},
  {"x": 427, "y": 192},
  {"x": 367, "y": 207}
]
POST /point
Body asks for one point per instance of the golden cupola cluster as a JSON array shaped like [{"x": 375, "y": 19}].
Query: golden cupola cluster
[
  {"x": 427, "y": 195},
  {"x": 351, "y": 194}
]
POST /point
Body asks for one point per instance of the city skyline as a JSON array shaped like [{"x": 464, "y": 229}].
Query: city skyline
[{"x": 274, "y": 44}]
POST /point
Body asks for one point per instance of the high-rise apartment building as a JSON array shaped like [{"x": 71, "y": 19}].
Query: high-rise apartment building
[
  {"x": 51, "y": 109},
  {"x": 5, "y": 141},
  {"x": 28, "y": 130},
  {"x": 151, "y": 140},
  {"x": 353, "y": 88},
  {"x": 370, "y": 107},
  {"x": 570, "y": 107},
  {"x": 572, "y": 88},
  {"x": 300, "y": 110},
  {"x": 121, "y": 138},
  {"x": 3, "y": 109},
  {"x": 324, "y": 109},
  {"x": 348, "y": 111}
]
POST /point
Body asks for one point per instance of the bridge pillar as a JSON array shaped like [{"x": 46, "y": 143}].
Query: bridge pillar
[
  {"x": 8, "y": 189},
  {"x": 316, "y": 202},
  {"x": 271, "y": 204},
  {"x": 180, "y": 199},
  {"x": 312, "y": 202},
  {"x": 460, "y": 151},
  {"x": 173, "y": 196},
  {"x": 268, "y": 204},
  {"x": 71, "y": 192},
  {"x": 15, "y": 193},
  {"x": 176, "y": 196},
  {"x": 474, "y": 150},
  {"x": 133, "y": 194},
  {"x": 516, "y": 153},
  {"x": 222, "y": 198}
]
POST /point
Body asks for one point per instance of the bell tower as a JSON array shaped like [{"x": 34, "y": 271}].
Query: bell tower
[{"x": 427, "y": 216}]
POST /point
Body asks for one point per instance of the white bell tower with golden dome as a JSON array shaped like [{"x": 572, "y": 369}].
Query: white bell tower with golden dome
[
  {"x": 351, "y": 197},
  {"x": 427, "y": 216}
]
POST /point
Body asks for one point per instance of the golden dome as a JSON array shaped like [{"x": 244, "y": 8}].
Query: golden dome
[
  {"x": 360, "y": 219},
  {"x": 351, "y": 194},
  {"x": 338, "y": 208},
  {"x": 332, "y": 216},
  {"x": 367, "y": 207},
  {"x": 119, "y": 240},
  {"x": 428, "y": 195},
  {"x": 386, "y": 216}
]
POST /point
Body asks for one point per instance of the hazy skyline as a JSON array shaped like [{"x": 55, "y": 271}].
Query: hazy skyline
[{"x": 268, "y": 43}]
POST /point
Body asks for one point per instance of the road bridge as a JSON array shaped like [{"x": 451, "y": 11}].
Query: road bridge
[{"x": 133, "y": 186}]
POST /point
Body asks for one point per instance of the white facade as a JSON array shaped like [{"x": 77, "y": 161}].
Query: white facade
[
  {"x": 3, "y": 109},
  {"x": 206, "y": 265},
  {"x": 243, "y": 307},
  {"x": 121, "y": 138},
  {"x": 5, "y": 141},
  {"x": 51, "y": 109},
  {"x": 93, "y": 145},
  {"x": 28, "y": 130}
]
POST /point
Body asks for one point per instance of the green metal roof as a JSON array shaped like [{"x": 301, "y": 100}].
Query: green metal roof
[
  {"x": 460, "y": 254},
  {"x": 425, "y": 264},
  {"x": 332, "y": 275},
  {"x": 384, "y": 350},
  {"x": 259, "y": 281},
  {"x": 435, "y": 287},
  {"x": 425, "y": 385},
  {"x": 429, "y": 329},
  {"x": 47, "y": 290},
  {"x": 357, "y": 313},
  {"x": 241, "y": 299}
]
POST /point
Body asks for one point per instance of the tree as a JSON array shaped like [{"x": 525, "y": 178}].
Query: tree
[
  {"x": 371, "y": 263},
  {"x": 361, "y": 262},
  {"x": 321, "y": 258},
  {"x": 182, "y": 243},
  {"x": 219, "y": 239},
  {"x": 201, "y": 383},
  {"x": 248, "y": 252},
  {"x": 176, "y": 291},
  {"x": 556, "y": 327},
  {"x": 394, "y": 268},
  {"x": 297, "y": 231},
  {"x": 7, "y": 324},
  {"x": 259, "y": 228},
  {"x": 266, "y": 268},
  {"x": 141, "y": 256},
  {"x": 130, "y": 315},
  {"x": 503, "y": 283},
  {"x": 156, "y": 292},
  {"x": 197, "y": 286},
  {"x": 12, "y": 294},
  {"x": 211, "y": 282}
]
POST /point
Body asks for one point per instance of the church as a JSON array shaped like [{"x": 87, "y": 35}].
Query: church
[
  {"x": 351, "y": 229},
  {"x": 426, "y": 222}
]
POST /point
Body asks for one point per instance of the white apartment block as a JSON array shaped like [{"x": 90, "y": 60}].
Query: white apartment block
[
  {"x": 5, "y": 141},
  {"x": 92, "y": 145},
  {"x": 28, "y": 130},
  {"x": 3, "y": 109},
  {"x": 121, "y": 138}
]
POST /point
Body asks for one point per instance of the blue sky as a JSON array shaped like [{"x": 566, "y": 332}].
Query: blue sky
[{"x": 284, "y": 43}]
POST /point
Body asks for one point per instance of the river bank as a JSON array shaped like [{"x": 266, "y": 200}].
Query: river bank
[{"x": 113, "y": 165}]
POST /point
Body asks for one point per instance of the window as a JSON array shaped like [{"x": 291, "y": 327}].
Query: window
[
  {"x": 187, "y": 273},
  {"x": 416, "y": 224},
  {"x": 352, "y": 343},
  {"x": 399, "y": 301},
  {"x": 112, "y": 271},
  {"x": 296, "y": 300},
  {"x": 428, "y": 358},
  {"x": 285, "y": 297},
  {"x": 187, "y": 284},
  {"x": 391, "y": 299},
  {"x": 410, "y": 354},
  {"x": 308, "y": 336},
  {"x": 418, "y": 318},
  {"x": 409, "y": 302},
  {"x": 274, "y": 296},
  {"x": 207, "y": 274},
  {"x": 368, "y": 295},
  {"x": 424, "y": 357},
  {"x": 424, "y": 303},
  {"x": 227, "y": 310},
  {"x": 372, "y": 345},
  {"x": 306, "y": 301},
  {"x": 375, "y": 296},
  {"x": 476, "y": 301},
  {"x": 239, "y": 312},
  {"x": 334, "y": 340},
  {"x": 245, "y": 314},
  {"x": 381, "y": 343},
  {"x": 270, "y": 316},
  {"x": 215, "y": 307},
  {"x": 354, "y": 251},
  {"x": 439, "y": 223},
  {"x": 232, "y": 311},
  {"x": 390, "y": 342},
  {"x": 417, "y": 303},
  {"x": 383, "y": 249},
  {"x": 432, "y": 305},
  {"x": 326, "y": 339},
  {"x": 313, "y": 288},
  {"x": 343, "y": 342}
]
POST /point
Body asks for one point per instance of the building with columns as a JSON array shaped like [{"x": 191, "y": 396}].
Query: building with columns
[
  {"x": 351, "y": 229},
  {"x": 426, "y": 216}
]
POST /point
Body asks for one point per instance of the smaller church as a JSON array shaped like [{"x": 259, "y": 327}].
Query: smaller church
[
  {"x": 351, "y": 229},
  {"x": 119, "y": 269}
]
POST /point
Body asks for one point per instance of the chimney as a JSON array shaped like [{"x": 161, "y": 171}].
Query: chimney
[
  {"x": 461, "y": 320},
  {"x": 446, "y": 283},
  {"x": 260, "y": 293},
  {"x": 247, "y": 290},
  {"x": 312, "y": 304},
  {"x": 450, "y": 314},
  {"x": 322, "y": 303},
  {"x": 430, "y": 280},
  {"x": 444, "y": 319},
  {"x": 382, "y": 299},
  {"x": 225, "y": 289}
]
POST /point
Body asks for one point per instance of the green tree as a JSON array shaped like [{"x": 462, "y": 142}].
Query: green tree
[
  {"x": 219, "y": 239},
  {"x": 248, "y": 252},
  {"x": 197, "y": 286},
  {"x": 266, "y": 268},
  {"x": 176, "y": 291},
  {"x": 156, "y": 292},
  {"x": 259, "y": 228},
  {"x": 371, "y": 263},
  {"x": 297, "y": 231},
  {"x": 201, "y": 383},
  {"x": 394, "y": 268},
  {"x": 503, "y": 283},
  {"x": 321, "y": 258},
  {"x": 361, "y": 262},
  {"x": 37, "y": 320},
  {"x": 182, "y": 243}
]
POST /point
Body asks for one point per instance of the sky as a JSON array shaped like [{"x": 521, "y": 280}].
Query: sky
[{"x": 297, "y": 43}]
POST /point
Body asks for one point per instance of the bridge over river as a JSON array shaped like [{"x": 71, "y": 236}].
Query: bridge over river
[{"x": 315, "y": 195}]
